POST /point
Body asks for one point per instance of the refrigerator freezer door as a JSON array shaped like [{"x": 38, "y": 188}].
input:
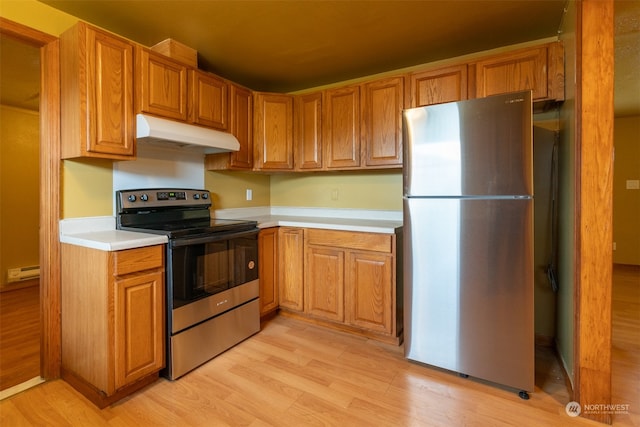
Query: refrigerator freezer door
[
  {"x": 469, "y": 287},
  {"x": 479, "y": 147}
]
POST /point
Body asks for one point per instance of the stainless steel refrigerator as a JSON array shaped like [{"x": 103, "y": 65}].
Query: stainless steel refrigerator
[{"x": 468, "y": 238}]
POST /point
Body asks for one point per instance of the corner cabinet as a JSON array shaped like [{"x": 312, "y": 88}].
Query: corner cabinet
[
  {"x": 112, "y": 316},
  {"x": 97, "y": 111}
]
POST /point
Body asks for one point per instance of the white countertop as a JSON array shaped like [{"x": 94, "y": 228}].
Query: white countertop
[
  {"x": 346, "y": 224},
  {"x": 100, "y": 232},
  {"x": 369, "y": 221}
]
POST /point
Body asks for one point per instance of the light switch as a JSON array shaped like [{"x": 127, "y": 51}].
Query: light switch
[
  {"x": 249, "y": 194},
  {"x": 633, "y": 184}
]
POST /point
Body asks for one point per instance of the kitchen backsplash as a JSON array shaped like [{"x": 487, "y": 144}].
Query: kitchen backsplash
[{"x": 160, "y": 167}]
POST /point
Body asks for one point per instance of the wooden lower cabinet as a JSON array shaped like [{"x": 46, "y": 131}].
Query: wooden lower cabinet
[
  {"x": 369, "y": 293},
  {"x": 324, "y": 282},
  {"x": 291, "y": 268},
  {"x": 340, "y": 279},
  {"x": 268, "y": 270},
  {"x": 113, "y": 328},
  {"x": 351, "y": 282}
]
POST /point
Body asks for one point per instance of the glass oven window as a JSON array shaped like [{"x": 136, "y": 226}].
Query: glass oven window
[{"x": 205, "y": 269}]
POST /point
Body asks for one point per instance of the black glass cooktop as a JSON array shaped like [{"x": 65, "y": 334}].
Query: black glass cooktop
[{"x": 194, "y": 227}]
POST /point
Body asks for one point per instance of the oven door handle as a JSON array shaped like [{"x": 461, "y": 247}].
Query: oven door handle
[{"x": 210, "y": 238}]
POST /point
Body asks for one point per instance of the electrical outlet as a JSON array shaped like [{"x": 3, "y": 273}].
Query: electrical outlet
[
  {"x": 633, "y": 184},
  {"x": 249, "y": 194},
  {"x": 334, "y": 194}
]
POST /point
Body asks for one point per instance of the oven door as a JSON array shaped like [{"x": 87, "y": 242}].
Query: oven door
[{"x": 202, "y": 266}]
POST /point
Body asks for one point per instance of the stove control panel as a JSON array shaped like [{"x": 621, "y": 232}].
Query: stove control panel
[{"x": 161, "y": 197}]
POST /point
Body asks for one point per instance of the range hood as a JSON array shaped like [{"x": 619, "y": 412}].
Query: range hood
[{"x": 159, "y": 131}]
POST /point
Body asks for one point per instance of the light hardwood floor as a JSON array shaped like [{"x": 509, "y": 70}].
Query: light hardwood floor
[
  {"x": 19, "y": 335},
  {"x": 625, "y": 348},
  {"x": 296, "y": 374}
]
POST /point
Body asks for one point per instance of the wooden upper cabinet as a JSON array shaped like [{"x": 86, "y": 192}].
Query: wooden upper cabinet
[
  {"x": 308, "y": 131},
  {"x": 161, "y": 85},
  {"x": 242, "y": 126},
  {"x": 539, "y": 69},
  {"x": 97, "y": 116},
  {"x": 273, "y": 131},
  {"x": 341, "y": 127},
  {"x": 382, "y": 105},
  {"x": 438, "y": 86},
  {"x": 208, "y": 103}
]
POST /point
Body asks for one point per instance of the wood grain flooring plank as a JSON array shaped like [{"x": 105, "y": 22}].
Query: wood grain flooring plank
[{"x": 295, "y": 374}]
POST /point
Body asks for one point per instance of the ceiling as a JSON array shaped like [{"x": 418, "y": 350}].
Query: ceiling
[{"x": 284, "y": 46}]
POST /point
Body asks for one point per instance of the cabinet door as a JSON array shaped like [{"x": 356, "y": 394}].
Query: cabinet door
[
  {"x": 512, "y": 72},
  {"x": 341, "y": 127},
  {"x": 368, "y": 297},
  {"x": 439, "y": 86},
  {"x": 208, "y": 100},
  {"x": 291, "y": 270},
  {"x": 273, "y": 131},
  {"x": 308, "y": 133},
  {"x": 161, "y": 85},
  {"x": 97, "y": 111},
  {"x": 382, "y": 105},
  {"x": 268, "y": 269},
  {"x": 139, "y": 326},
  {"x": 324, "y": 282},
  {"x": 242, "y": 127}
]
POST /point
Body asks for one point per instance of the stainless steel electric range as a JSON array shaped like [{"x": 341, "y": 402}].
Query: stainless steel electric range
[{"x": 211, "y": 265}]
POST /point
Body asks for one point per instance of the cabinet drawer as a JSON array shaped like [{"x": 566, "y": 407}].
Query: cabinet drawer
[
  {"x": 348, "y": 239},
  {"x": 140, "y": 259}
]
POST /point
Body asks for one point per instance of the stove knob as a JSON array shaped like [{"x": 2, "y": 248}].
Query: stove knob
[
  {"x": 205, "y": 196},
  {"x": 131, "y": 198},
  {"x": 144, "y": 197},
  {"x": 196, "y": 196}
]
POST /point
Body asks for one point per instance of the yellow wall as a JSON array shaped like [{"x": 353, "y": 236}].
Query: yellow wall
[
  {"x": 87, "y": 188},
  {"x": 37, "y": 15},
  {"x": 19, "y": 189},
  {"x": 566, "y": 196},
  {"x": 381, "y": 190},
  {"x": 358, "y": 190},
  {"x": 626, "y": 203},
  {"x": 228, "y": 189}
]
